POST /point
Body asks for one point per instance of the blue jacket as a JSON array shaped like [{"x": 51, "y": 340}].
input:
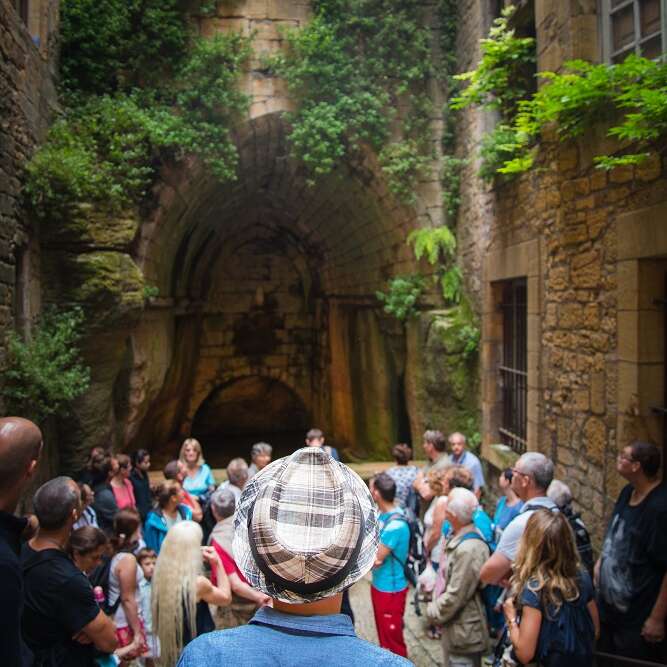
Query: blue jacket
[
  {"x": 276, "y": 639},
  {"x": 155, "y": 527}
]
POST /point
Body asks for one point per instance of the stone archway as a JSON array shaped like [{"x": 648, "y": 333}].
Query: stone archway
[
  {"x": 246, "y": 410},
  {"x": 272, "y": 276}
]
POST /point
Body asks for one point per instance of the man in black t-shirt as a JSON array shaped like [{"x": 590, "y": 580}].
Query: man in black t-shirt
[
  {"x": 631, "y": 573},
  {"x": 61, "y": 619},
  {"x": 20, "y": 447}
]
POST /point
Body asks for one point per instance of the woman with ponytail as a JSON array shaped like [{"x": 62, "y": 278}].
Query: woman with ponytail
[
  {"x": 124, "y": 578},
  {"x": 181, "y": 593}
]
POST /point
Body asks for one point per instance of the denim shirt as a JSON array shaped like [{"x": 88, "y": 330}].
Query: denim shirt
[{"x": 287, "y": 640}]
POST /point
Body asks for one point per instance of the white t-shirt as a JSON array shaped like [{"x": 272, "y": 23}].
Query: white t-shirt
[{"x": 509, "y": 540}]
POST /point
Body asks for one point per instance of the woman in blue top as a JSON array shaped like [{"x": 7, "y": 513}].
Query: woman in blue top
[
  {"x": 509, "y": 505},
  {"x": 199, "y": 478},
  {"x": 551, "y": 613}
]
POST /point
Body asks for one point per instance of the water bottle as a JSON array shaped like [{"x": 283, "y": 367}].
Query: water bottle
[{"x": 98, "y": 593}]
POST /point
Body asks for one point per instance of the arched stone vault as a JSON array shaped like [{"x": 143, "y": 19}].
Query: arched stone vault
[
  {"x": 273, "y": 277},
  {"x": 266, "y": 276}
]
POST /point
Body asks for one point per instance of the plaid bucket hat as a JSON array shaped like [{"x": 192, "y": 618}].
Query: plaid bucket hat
[{"x": 305, "y": 528}]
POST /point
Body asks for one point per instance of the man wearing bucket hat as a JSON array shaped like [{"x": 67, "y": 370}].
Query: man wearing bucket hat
[{"x": 305, "y": 530}]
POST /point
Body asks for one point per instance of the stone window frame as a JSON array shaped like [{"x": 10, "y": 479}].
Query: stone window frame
[
  {"x": 641, "y": 269},
  {"x": 606, "y": 12},
  {"x": 520, "y": 260}
]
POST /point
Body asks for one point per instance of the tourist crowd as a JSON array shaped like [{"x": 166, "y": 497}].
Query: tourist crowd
[{"x": 113, "y": 568}]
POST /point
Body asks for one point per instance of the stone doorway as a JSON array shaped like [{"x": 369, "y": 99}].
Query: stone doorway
[{"x": 249, "y": 410}]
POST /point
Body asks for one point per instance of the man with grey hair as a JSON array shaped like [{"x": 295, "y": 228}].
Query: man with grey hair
[
  {"x": 461, "y": 456},
  {"x": 531, "y": 476},
  {"x": 459, "y": 608},
  {"x": 20, "y": 447},
  {"x": 561, "y": 494},
  {"x": 260, "y": 457},
  {"x": 62, "y": 622},
  {"x": 434, "y": 446},
  {"x": 237, "y": 477},
  {"x": 245, "y": 600}
]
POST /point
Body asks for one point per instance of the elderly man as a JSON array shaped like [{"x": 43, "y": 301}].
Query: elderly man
[
  {"x": 434, "y": 446},
  {"x": 461, "y": 456},
  {"x": 260, "y": 457},
  {"x": 305, "y": 530},
  {"x": 531, "y": 477},
  {"x": 62, "y": 623},
  {"x": 237, "y": 477},
  {"x": 460, "y": 608},
  {"x": 245, "y": 600},
  {"x": 632, "y": 570},
  {"x": 20, "y": 447}
]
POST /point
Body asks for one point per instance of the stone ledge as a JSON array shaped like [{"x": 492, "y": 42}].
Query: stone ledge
[{"x": 499, "y": 456}]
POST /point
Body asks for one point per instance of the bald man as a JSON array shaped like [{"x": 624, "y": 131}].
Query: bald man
[{"x": 20, "y": 447}]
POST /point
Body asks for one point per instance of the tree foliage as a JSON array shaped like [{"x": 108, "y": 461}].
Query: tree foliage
[
  {"x": 358, "y": 73},
  {"x": 44, "y": 374},
  {"x": 631, "y": 96},
  {"x": 402, "y": 296},
  {"x": 139, "y": 90}
]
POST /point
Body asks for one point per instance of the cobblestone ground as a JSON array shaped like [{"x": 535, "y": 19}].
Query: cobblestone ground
[{"x": 422, "y": 651}]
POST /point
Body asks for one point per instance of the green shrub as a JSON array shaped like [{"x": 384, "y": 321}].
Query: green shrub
[
  {"x": 44, "y": 374},
  {"x": 358, "y": 73},
  {"x": 434, "y": 243},
  {"x": 107, "y": 150},
  {"x": 499, "y": 81},
  {"x": 631, "y": 95},
  {"x": 402, "y": 296}
]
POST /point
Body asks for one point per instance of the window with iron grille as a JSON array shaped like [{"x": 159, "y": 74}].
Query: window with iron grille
[
  {"x": 634, "y": 26},
  {"x": 514, "y": 364}
]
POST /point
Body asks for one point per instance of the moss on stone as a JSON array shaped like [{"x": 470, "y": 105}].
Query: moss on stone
[{"x": 109, "y": 286}]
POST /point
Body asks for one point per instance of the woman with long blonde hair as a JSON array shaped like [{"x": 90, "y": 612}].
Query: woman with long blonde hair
[
  {"x": 551, "y": 613},
  {"x": 181, "y": 593}
]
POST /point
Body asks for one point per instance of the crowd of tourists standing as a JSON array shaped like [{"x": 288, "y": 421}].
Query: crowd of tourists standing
[{"x": 113, "y": 568}]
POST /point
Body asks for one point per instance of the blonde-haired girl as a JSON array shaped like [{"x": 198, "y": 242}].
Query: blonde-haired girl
[
  {"x": 181, "y": 593},
  {"x": 551, "y": 612}
]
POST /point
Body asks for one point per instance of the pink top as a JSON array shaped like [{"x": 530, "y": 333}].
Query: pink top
[{"x": 124, "y": 495}]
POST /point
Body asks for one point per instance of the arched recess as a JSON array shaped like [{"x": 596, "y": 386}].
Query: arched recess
[
  {"x": 246, "y": 410},
  {"x": 271, "y": 275}
]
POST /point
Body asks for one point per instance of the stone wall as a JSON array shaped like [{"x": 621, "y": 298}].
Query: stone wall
[
  {"x": 592, "y": 245},
  {"x": 27, "y": 102},
  {"x": 265, "y": 280}
]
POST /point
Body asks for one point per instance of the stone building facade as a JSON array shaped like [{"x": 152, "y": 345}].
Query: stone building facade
[
  {"x": 586, "y": 252},
  {"x": 27, "y": 102}
]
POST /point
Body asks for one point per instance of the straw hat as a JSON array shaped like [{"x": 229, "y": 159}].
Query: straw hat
[{"x": 305, "y": 528}]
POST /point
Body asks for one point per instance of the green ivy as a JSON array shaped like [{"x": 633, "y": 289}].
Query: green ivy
[
  {"x": 402, "y": 296},
  {"x": 44, "y": 374},
  {"x": 358, "y": 72},
  {"x": 499, "y": 81},
  {"x": 113, "y": 45},
  {"x": 631, "y": 96},
  {"x": 451, "y": 166},
  {"x": 107, "y": 149}
]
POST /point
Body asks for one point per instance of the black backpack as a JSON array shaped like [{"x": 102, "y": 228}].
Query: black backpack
[
  {"x": 581, "y": 538},
  {"x": 100, "y": 577},
  {"x": 415, "y": 562}
]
